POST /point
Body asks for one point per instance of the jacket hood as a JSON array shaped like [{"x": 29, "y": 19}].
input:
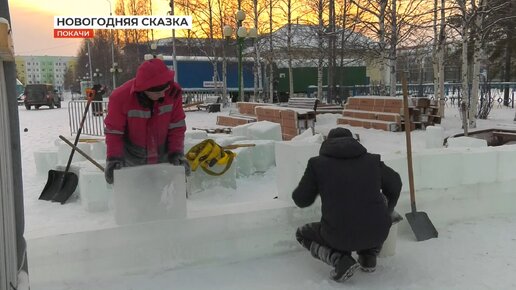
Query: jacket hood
[
  {"x": 152, "y": 73},
  {"x": 342, "y": 148}
]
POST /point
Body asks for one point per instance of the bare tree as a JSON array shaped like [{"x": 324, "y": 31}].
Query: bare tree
[
  {"x": 474, "y": 30},
  {"x": 259, "y": 9},
  {"x": 391, "y": 25},
  {"x": 288, "y": 8},
  {"x": 438, "y": 54},
  {"x": 272, "y": 5}
]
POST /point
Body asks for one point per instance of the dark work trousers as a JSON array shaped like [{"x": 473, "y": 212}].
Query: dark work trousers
[
  {"x": 97, "y": 109},
  {"x": 309, "y": 233}
]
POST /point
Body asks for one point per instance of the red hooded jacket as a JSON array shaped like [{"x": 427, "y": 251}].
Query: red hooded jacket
[{"x": 142, "y": 131}]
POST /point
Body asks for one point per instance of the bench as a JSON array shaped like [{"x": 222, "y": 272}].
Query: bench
[
  {"x": 303, "y": 103},
  {"x": 211, "y": 104},
  {"x": 307, "y": 118}
]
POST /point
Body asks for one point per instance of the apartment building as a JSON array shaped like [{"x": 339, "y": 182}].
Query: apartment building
[{"x": 44, "y": 69}]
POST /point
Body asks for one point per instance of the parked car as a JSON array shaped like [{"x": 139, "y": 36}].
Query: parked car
[{"x": 38, "y": 95}]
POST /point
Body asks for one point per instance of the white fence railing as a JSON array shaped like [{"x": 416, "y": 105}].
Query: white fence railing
[{"x": 94, "y": 123}]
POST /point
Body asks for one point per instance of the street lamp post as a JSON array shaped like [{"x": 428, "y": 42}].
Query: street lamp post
[
  {"x": 241, "y": 34},
  {"x": 154, "y": 52},
  {"x": 89, "y": 60},
  {"x": 97, "y": 75},
  {"x": 112, "y": 47},
  {"x": 115, "y": 70},
  {"x": 174, "y": 56}
]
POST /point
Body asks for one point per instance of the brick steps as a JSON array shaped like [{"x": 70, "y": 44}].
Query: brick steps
[
  {"x": 234, "y": 120},
  {"x": 371, "y": 111},
  {"x": 369, "y": 123},
  {"x": 381, "y": 116}
]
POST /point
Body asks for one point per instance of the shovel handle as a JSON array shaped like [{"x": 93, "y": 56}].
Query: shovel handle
[
  {"x": 408, "y": 128},
  {"x": 234, "y": 146},
  {"x": 89, "y": 140},
  {"x": 82, "y": 153},
  {"x": 90, "y": 94}
]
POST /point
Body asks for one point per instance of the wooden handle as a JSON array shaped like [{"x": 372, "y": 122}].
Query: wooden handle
[
  {"x": 234, "y": 146},
  {"x": 90, "y": 140},
  {"x": 409, "y": 143}
]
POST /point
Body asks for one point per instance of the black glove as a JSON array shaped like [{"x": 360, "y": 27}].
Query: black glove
[
  {"x": 178, "y": 158},
  {"x": 112, "y": 163}
]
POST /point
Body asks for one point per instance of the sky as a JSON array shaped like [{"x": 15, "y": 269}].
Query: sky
[
  {"x": 475, "y": 232},
  {"x": 32, "y": 23}
]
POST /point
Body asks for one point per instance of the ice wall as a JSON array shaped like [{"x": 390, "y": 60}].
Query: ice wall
[
  {"x": 269, "y": 228},
  {"x": 291, "y": 160}
]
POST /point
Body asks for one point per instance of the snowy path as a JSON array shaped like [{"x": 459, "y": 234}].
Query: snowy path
[{"x": 471, "y": 255}]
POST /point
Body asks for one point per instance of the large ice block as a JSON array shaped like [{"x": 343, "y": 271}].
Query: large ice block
[
  {"x": 265, "y": 130},
  {"x": 243, "y": 162},
  {"x": 398, "y": 162},
  {"x": 479, "y": 165},
  {"x": 63, "y": 152},
  {"x": 434, "y": 137},
  {"x": 96, "y": 194},
  {"x": 225, "y": 140},
  {"x": 241, "y": 130},
  {"x": 291, "y": 161},
  {"x": 262, "y": 154},
  {"x": 439, "y": 168},
  {"x": 98, "y": 151},
  {"x": 196, "y": 134},
  {"x": 149, "y": 192},
  {"x": 45, "y": 160},
  {"x": 201, "y": 181},
  {"x": 464, "y": 141},
  {"x": 506, "y": 161}
]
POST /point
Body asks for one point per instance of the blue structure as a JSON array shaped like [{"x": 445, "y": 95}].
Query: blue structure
[
  {"x": 197, "y": 72},
  {"x": 19, "y": 87}
]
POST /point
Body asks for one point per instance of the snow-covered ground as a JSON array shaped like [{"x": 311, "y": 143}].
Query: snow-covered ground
[{"x": 476, "y": 253}]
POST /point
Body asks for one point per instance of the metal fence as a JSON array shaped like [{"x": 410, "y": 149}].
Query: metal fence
[{"x": 94, "y": 123}]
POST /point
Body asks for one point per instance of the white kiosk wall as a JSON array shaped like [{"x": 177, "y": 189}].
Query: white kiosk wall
[{"x": 8, "y": 260}]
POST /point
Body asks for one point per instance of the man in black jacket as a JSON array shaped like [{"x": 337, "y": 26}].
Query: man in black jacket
[{"x": 358, "y": 195}]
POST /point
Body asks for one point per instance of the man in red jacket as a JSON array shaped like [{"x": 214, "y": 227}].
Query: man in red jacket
[{"x": 145, "y": 123}]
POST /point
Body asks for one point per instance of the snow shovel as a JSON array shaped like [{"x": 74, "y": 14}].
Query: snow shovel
[
  {"x": 419, "y": 221},
  {"x": 61, "y": 184}
]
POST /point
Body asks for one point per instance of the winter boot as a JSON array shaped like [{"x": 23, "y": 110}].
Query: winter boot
[
  {"x": 344, "y": 269},
  {"x": 367, "y": 263},
  {"x": 325, "y": 254}
]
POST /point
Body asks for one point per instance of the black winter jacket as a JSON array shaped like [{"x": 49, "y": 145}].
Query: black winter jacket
[{"x": 350, "y": 182}]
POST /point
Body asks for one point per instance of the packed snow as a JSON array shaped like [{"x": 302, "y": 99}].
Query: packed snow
[{"x": 476, "y": 249}]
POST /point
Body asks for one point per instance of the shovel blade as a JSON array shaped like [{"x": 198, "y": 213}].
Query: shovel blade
[
  {"x": 60, "y": 186},
  {"x": 421, "y": 226}
]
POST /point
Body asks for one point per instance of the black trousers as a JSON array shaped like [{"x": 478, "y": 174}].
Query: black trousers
[
  {"x": 97, "y": 108},
  {"x": 311, "y": 232}
]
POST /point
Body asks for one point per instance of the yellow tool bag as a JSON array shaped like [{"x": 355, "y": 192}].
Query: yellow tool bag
[{"x": 208, "y": 153}]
